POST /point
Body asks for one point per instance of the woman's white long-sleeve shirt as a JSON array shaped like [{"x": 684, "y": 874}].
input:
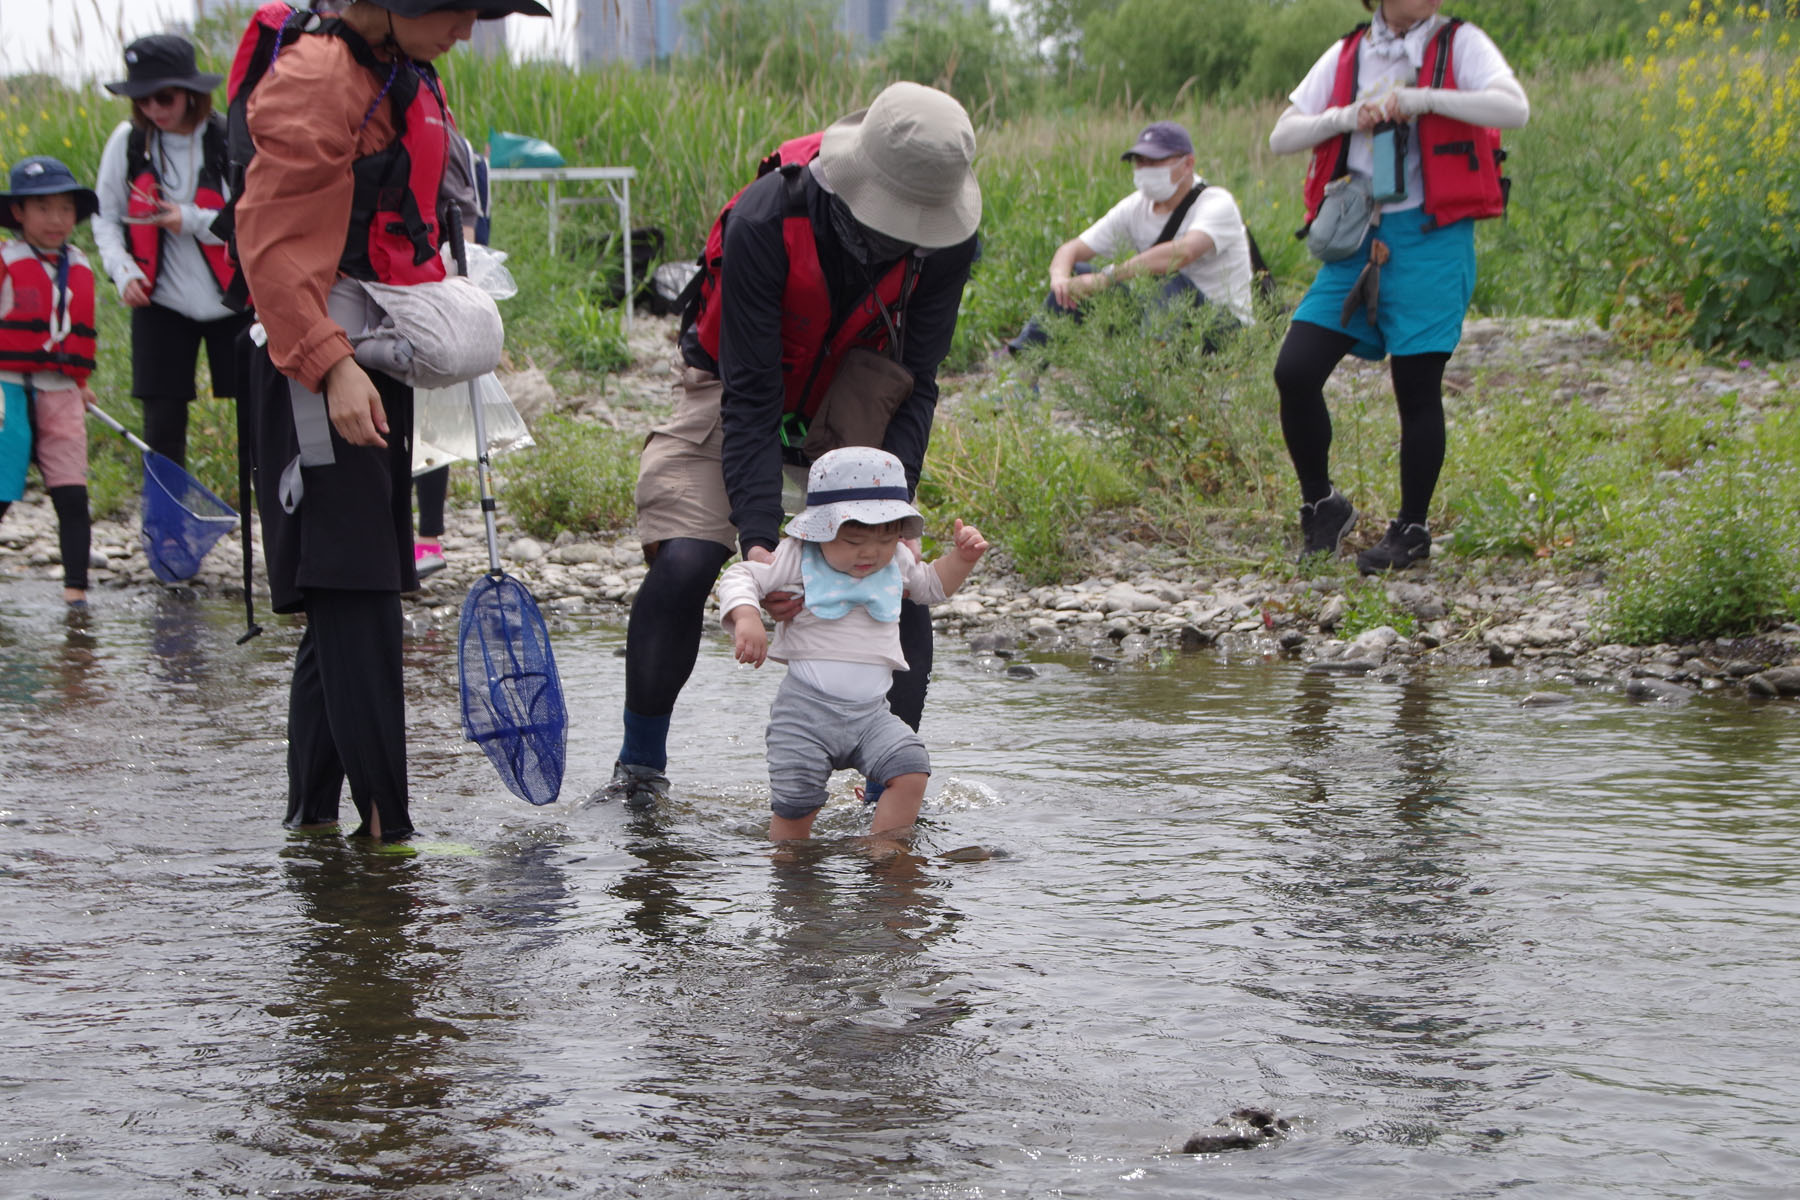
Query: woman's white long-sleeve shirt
[
  {"x": 1487, "y": 93},
  {"x": 184, "y": 281}
]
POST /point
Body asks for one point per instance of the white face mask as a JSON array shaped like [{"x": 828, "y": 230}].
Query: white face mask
[{"x": 1153, "y": 182}]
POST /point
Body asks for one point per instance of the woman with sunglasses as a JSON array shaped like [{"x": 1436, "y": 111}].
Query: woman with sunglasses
[{"x": 162, "y": 185}]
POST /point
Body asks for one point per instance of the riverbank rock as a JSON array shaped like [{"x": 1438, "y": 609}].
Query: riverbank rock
[
  {"x": 1779, "y": 681},
  {"x": 1243, "y": 1129}
]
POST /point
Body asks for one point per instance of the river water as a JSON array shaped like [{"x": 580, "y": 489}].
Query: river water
[{"x": 1467, "y": 947}]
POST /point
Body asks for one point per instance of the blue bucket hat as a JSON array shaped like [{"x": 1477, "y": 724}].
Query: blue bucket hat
[{"x": 41, "y": 175}]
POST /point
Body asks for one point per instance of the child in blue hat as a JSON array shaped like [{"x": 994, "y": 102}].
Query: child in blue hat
[
  {"x": 847, "y": 552},
  {"x": 47, "y": 342}
]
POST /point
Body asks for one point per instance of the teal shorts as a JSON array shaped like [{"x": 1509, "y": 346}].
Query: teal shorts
[
  {"x": 15, "y": 443},
  {"x": 1425, "y": 289}
]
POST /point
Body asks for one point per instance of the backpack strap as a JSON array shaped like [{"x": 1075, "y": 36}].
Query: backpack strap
[{"x": 1173, "y": 224}]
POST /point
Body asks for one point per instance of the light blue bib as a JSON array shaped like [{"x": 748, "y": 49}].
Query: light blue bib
[{"x": 831, "y": 594}]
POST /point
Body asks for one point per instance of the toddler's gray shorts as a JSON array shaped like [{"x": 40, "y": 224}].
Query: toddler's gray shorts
[{"x": 811, "y": 734}]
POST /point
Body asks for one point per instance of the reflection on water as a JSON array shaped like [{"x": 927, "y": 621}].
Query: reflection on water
[{"x": 1467, "y": 946}]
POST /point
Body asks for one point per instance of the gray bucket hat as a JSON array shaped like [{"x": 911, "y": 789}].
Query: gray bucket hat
[
  {"x": 41, "y": 175},
  {"x": 855, "y": 483},
  {"x": 905, "y": 166}
]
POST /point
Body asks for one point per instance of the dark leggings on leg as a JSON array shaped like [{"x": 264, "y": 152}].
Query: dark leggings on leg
[
  {"x": 1419, "y": 392},
  {"x": 663, "y": 637},
  {"x": 433, "y": 488},
  {"x": 74, "y": 532},
  {"x": 1309, "y": 354}
]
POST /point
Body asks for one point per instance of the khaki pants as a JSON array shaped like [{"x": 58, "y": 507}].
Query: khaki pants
[{"x": 681, "y": 483}]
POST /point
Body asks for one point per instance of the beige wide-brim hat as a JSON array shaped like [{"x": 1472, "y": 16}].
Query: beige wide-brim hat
[{"x": 905, "y": 166}]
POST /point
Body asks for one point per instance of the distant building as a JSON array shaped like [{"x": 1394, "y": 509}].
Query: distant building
[{"x": 641, "y": 31}]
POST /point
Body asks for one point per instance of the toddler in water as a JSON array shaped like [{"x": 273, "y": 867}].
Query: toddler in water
[
  {"x": 47, "y": 344},
  {"x": 846, "y": 553}
]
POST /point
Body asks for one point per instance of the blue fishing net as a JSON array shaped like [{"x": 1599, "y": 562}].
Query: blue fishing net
[
  {"x": 512, "y": 701},
  {"x": 182, "y": 519}
]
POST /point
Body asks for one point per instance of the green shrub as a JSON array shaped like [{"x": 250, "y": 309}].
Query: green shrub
[
  {"x": 579, "y": 476},
  {"x": 1031, "y": 486},
  {"x": 1718, "y": 555}
]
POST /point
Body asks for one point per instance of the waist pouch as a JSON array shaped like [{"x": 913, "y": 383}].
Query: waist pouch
[{"x": 864, "y": 395}]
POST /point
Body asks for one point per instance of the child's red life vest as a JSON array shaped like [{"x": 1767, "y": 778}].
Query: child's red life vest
[
  {"x": 50, "y": 326},
  {"x": 393, "y": 233},
  {"x": 811, "y": 348},
  {"x": 1459, "y": 162},
  {"x": 145, "y": 193}
]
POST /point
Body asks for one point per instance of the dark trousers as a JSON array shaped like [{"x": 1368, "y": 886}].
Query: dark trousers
[
  {"x": 1176, "y": 289},
  {"x": 165, "y": 348},
  {"x": 347, "y": 712}
]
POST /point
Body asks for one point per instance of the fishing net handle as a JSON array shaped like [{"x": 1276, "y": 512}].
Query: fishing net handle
[{"x": 484, "y": 475}]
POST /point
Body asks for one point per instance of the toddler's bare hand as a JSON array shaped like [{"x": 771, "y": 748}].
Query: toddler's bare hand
[{"x": 969, "y": 543}]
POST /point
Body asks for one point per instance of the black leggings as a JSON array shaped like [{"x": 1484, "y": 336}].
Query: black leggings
[
  {"x": 1309, "y": 354},
  {"x": 433, "y": 488},
  {"x": 669, "y": 614},
  {"x": 74, "y": 532}
]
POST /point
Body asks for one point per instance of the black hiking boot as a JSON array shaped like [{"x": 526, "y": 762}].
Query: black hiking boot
[
  {"x": 637, "y": 787},
  {"x": 1401, "y": 546},
  {"x": 1323, "y": 524}
]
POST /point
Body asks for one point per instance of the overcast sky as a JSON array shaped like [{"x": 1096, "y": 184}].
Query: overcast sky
[{"x": 83, "y": 39}]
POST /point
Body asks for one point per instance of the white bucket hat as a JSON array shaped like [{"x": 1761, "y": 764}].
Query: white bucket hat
[
  {"x": 855, "y": 483},
  {"x": 905, "y": 166}
]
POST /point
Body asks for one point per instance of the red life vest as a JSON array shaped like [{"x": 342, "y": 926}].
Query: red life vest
[
  {"x": 811, "y": 348},
  {"x": 1459, "y": 162},
  {"x": 50, "y": 326},
  {"x": 145, "y": 192},
  {"x": 393, "y": 233}
]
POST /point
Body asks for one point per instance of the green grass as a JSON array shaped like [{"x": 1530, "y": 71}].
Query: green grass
[{"x": 1130, "y": 431}]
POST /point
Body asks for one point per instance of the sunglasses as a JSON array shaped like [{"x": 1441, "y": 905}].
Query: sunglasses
[{"x": 163, "y": 99}]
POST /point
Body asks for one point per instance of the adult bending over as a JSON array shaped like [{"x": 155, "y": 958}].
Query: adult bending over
[
  {"x": 867, "y": 245},
  {"x": 1447, "y": 87}
]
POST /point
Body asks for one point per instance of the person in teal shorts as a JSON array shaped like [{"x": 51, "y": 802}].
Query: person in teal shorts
[{"x": 1433, "y": 91}]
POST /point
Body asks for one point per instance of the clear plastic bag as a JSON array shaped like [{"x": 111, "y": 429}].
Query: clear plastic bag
[
  {"x": 487, "y": 269},
  {"x": 444, "y": 424}
]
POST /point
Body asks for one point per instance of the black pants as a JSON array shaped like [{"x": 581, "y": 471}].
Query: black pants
[
  {"x": 165, "y": 348},
  {"x": 1309, "y": 354},
  {"x": 667, "y": 618},
  {"x": 347, "y": 712}
]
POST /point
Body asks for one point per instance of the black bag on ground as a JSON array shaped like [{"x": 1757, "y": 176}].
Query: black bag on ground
[{"x": 646, "y": 251}]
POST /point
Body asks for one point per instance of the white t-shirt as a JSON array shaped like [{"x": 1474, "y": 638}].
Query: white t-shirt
[
  {"x": 1385, "y": 62},
  {"x": 1223, "y": 277}
]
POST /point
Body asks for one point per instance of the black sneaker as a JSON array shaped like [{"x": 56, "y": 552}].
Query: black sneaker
[
  {"x": 638, "y": 788},
  {"x": 1323, "y": 524},
  {"x": 1401, "y": 546}
]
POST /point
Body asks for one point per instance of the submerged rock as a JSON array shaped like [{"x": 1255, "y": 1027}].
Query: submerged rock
[{"x": 1243, "y": 1129}]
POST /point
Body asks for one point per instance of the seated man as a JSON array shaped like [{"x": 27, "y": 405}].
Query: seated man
[{"x": 1174, "y": 224}]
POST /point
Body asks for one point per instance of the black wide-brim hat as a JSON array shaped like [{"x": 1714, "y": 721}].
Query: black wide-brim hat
[
  {"x": 486, "y": 10},
  {"x": 162, "y": 60},
  {"x": 41, "y": 175}
]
